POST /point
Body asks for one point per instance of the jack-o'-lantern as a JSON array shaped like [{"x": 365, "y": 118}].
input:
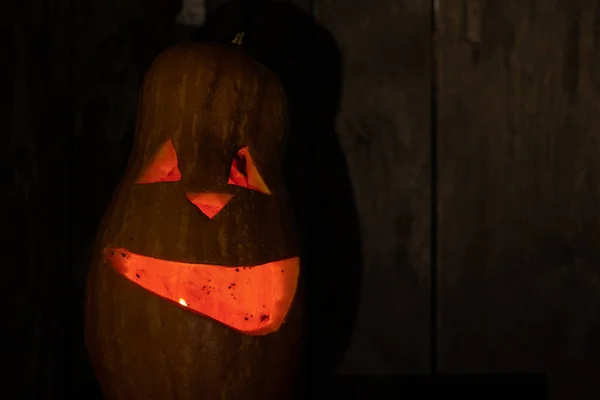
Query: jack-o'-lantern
[{"x": 193, "y": 288}]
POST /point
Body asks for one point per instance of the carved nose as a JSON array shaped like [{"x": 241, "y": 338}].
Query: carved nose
[{"x": 209, "y": 203}]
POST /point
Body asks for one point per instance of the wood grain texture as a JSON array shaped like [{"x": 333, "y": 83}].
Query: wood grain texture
[
  {"x": 519, "y": 173},
  {"x": 383, "y": 127}
]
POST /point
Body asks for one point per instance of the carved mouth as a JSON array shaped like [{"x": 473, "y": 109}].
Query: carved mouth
[{"x": 253, "y": 300}]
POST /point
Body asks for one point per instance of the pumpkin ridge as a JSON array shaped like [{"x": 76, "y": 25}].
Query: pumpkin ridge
[{"x": 144, "y": 346}]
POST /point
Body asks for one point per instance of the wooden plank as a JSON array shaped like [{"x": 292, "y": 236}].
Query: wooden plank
[
  {"x": 519, "y": 184},
  {"x": 382, "y": 135}
]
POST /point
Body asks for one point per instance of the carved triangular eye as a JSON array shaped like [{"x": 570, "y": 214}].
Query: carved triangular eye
[
  {"x": 244, "y": 173},
  {"x": 162, "y": 167}
]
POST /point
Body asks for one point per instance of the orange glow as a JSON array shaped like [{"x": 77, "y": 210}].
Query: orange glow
[
  {"x": 163, "y": 167},
  {"x": 244, "y": 173},
  {"x": 253, "y": 300},
  {"x": 209, "y": 203}
]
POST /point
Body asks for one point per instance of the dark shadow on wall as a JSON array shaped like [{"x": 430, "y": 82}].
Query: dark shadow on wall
[{"x": 308, "y": 62}]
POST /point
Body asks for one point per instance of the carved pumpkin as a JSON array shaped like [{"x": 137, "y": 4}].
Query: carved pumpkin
[{"x": 193, "y": 289}]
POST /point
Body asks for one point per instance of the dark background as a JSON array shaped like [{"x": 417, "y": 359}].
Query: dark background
[{"x": 445, "y": 179}]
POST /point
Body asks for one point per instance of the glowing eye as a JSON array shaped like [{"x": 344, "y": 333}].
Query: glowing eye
[
  {"x": 162, "y": 167},
  {"x": 244, "y": 173}
]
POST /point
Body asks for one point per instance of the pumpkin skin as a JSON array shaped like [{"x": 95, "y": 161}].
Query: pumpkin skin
[{"x": 210, "y": 101}]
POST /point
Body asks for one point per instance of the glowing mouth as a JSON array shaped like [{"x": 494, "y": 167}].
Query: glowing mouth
[{"x": 253, "y": 300}]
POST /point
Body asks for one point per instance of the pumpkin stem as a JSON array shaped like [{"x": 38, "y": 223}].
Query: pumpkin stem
[{"x": 238, "y": 38}]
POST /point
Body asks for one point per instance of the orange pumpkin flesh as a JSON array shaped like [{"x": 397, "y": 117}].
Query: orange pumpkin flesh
[
  {"x": 201, "y": 197},
  {"x": 209, "y": 203},
  {"x": 163, "y": 167},
  {"x": 252, "y": 300},
  {"x": 244, "y": 173}
]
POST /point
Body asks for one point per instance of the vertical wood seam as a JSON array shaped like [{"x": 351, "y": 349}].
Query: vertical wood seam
[{"x": 433, "y": 310}]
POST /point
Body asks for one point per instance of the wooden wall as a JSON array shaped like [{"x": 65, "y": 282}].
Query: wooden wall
[
  {"x": 384, "y": 130},
  {"x": 519, "y": 182},
  {"x": 445, "y": 179}
]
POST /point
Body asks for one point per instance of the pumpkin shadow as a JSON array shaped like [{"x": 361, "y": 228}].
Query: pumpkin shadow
[{"x": 306, "y": 58}]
